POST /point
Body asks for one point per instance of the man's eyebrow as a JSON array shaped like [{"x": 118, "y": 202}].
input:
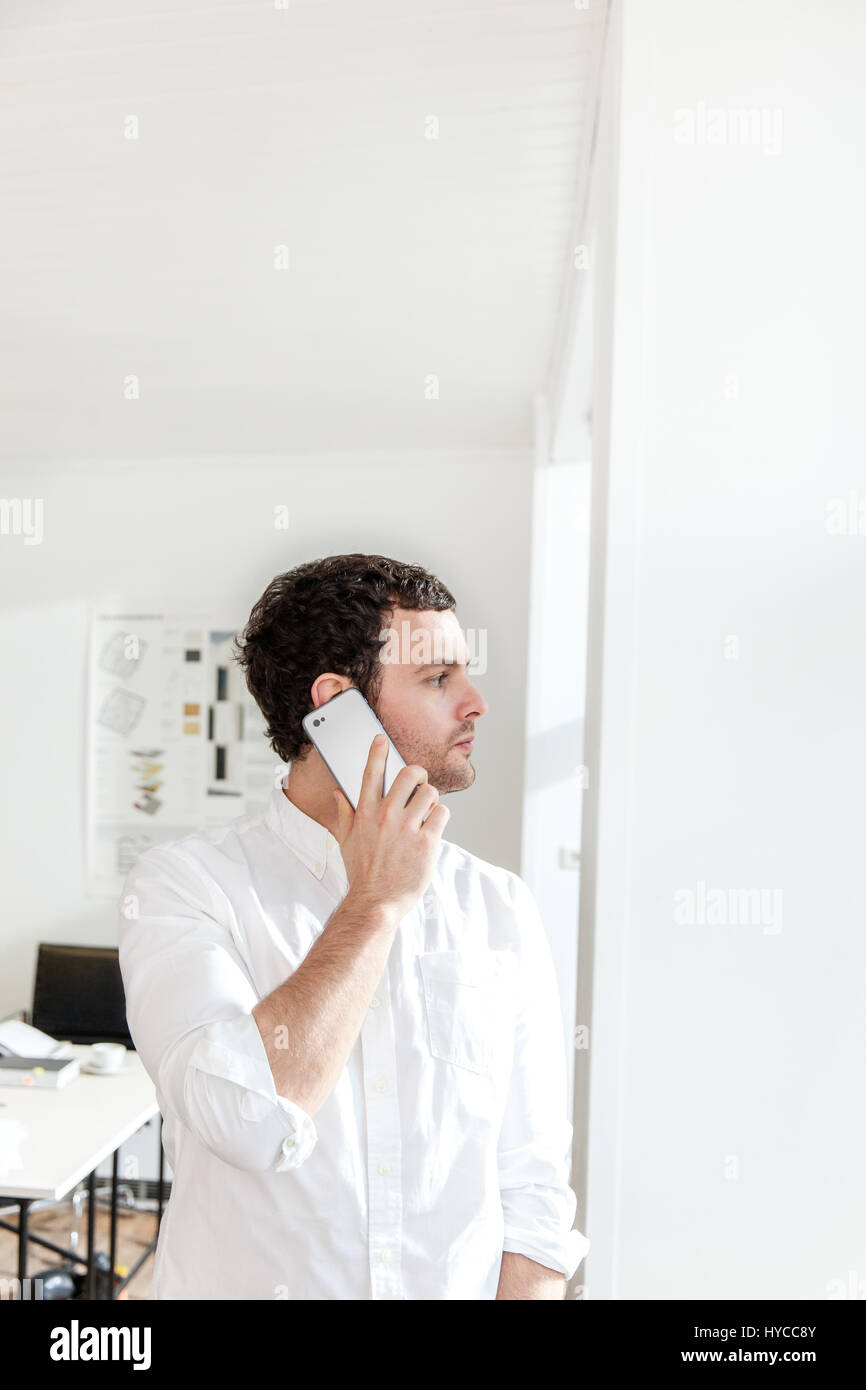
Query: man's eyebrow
[{"x": 434, "y": 665}]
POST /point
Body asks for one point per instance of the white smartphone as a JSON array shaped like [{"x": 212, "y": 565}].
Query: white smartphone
[{"x": 342, "y": 730}]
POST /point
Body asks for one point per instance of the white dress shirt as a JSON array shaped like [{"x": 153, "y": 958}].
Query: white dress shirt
[{"x": 446, "y": 1139}]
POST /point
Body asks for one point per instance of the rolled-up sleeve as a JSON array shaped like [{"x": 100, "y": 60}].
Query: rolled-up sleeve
[
  {"x": 534, "y": 1149},
  {"x": 189, "y": 1003}
]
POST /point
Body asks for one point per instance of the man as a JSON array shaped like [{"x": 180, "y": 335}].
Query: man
[{"x": 353, "y": 1025}]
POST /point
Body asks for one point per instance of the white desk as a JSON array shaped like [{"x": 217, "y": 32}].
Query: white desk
[{"x": 51, "y": 1139}]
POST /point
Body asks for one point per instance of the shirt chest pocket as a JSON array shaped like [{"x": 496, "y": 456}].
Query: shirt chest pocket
[{"x": 464, "y": 998}]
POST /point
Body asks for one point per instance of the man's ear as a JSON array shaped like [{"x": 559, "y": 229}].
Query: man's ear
[{"x": 326, "y": 686}]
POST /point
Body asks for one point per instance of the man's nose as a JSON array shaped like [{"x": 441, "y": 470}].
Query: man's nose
[{"x": 474, "y": 705}]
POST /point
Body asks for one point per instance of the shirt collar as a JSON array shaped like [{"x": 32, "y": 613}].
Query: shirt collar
[{"x": 311, "y": 842}]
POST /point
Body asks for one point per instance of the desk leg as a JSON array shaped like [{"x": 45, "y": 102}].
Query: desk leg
[
  {"x": 90, "y": 1286},
  {"x": 23, "y": 1213},
  {"x": 113, "y": 1248}
]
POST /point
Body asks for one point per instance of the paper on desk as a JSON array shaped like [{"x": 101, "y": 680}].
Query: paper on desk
[{"x": 18, "y": 1039}]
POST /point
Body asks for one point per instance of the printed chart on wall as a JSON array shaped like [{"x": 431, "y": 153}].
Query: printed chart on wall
[{"x": 175, "y": 741}]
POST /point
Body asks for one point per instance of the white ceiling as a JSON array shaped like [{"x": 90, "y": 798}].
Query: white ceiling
[{"x": 303, "y": 127}]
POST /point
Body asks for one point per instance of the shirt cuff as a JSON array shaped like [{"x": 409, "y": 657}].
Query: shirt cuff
[
  {"x": 233, "y": 1049},
  {"x": 564, "y": 1256}
]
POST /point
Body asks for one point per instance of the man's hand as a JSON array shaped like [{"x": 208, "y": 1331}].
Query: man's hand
[
  {"x": 521, "y": 1277},
  {"x": 389, "y": 855}
]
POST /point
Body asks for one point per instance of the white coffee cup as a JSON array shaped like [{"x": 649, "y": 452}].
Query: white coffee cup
[{"x": 107, "y": 1056}]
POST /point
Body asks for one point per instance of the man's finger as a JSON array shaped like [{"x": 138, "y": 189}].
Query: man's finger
[{"x": 374, "y": 772}]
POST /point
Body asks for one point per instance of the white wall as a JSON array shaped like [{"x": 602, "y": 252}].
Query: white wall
[
  {"x": 726, "y": 1134},
  {"x": 203, "y": 530},
  {"x": 554, "y": 771}
]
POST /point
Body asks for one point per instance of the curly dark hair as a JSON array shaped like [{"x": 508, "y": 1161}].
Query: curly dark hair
[{"x": 325, "y": 615}]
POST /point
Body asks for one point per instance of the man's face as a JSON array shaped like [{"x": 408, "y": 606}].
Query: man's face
[{"x": 427, "y": 701}]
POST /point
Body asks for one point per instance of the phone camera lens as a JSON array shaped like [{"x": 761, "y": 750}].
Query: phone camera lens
[{"x": 317, "y": 721}]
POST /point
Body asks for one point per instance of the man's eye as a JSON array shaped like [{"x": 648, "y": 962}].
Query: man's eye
[{"x": 443, "y": 676}]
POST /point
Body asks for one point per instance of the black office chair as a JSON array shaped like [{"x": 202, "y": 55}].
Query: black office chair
[{"x": 78, "y": 994}]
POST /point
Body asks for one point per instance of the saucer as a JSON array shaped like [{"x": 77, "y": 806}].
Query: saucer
[{"x": 103, "y": 1071}]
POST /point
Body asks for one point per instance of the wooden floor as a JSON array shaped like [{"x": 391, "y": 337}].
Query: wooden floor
[{"x": 135, "y": 1231}]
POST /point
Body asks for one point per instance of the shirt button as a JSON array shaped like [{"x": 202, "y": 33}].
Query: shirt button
[
  {"x": 381, "y": 1085},
  {"x": 317, "y": 868},
  {"x": 384, "y": 1256},
  {"x": 384, "y": 1169},
  {"x": 374, "y": 1003}
]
